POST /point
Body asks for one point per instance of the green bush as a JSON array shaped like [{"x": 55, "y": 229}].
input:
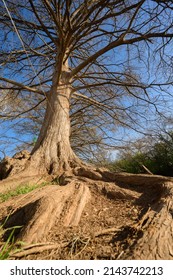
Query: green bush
[
  {"x": 132, "y": 164},
  {"x": 159, "y": 159}
]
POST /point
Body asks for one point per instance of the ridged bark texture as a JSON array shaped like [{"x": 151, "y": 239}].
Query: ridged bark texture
[
  {"x": 52, "y": 152},
  {"x": 157, "y": 226}
]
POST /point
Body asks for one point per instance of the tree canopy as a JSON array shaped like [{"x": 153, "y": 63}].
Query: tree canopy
[{"x": 111, "y": 52}]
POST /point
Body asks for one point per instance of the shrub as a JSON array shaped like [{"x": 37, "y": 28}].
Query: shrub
[{"x": 158, "y": 159}]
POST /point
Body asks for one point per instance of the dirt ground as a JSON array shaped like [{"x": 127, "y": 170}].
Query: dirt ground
[
  {"x": 108, "y": 227},
  {"x": 102, "y": 232}
]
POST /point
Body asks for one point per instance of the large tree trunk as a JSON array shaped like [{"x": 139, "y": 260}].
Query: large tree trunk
[{"x": 52, "y": 152}]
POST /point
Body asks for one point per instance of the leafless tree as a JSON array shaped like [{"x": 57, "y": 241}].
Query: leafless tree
[{"x": 75, "y": 53}]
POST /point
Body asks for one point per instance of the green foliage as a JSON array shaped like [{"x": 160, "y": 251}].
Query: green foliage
[
  {"x": 22, "y": 189},
  {"x": 162, "y": 158},
  {"x": 132, "y": 163},
  {"x": 159, "y": 159}
]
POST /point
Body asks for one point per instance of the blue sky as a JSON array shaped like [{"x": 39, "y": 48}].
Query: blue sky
[{"x": 148, "y": 72}]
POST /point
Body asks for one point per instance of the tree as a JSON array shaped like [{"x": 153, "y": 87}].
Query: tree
[
  {"x": 20, "y": 127},
  {"x": 61, "y": 55},
  {"x": 84, "y": 49}
]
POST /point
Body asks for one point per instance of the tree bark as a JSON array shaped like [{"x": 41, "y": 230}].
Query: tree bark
[
  {"x": 52, "y": 152},
  {"x": 157, "y": 226}
]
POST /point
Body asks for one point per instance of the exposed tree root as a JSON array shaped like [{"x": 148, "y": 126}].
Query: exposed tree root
[
  {"x": 13, "y": 182},
  {"x": 37, "y": 212},
  {"x": 157, "y": 226},
  {"x": 64, "y": 204},
  {"x": 35, "y": 250}
]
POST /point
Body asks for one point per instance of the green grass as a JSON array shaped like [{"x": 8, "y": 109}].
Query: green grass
[
  {"x": 9, "y": 245},
  {"x": 22, "y": 189}
]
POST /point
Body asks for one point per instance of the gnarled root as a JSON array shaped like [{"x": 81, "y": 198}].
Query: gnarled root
[
  {"x": 157, "y": 227},
  {"x": 37, "y": 211}
]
